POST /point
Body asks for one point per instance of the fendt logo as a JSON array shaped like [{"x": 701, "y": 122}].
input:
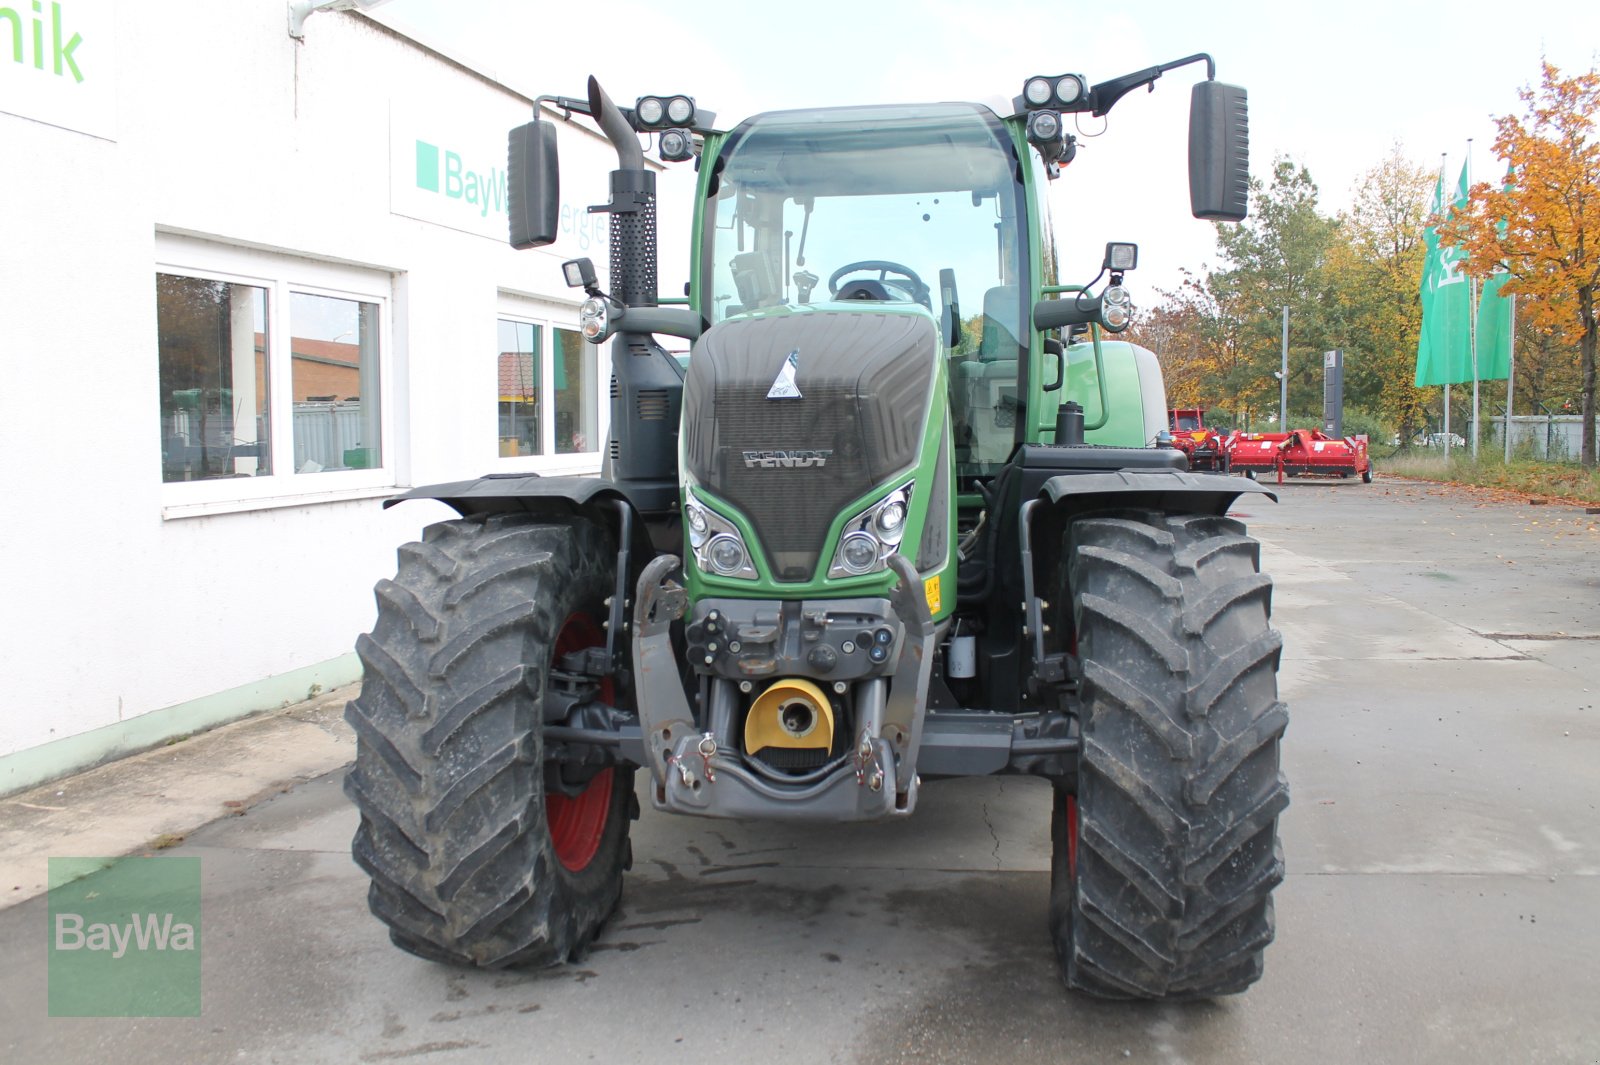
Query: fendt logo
[
  {"x": 789, "y": 460},
  {"x": 61, "y": 47},
  {"x": 445, "y": 172}
]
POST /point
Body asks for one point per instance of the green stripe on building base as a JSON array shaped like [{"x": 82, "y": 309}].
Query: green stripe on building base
[{"x": 37, "y": 765}]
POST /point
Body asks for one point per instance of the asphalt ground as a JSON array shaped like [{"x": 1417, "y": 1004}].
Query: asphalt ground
[{"x": 1442, "y": 666}]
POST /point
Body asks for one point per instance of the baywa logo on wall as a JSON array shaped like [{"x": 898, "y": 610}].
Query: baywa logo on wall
[
  {"x": 445, "y": 172},
  {"x": 124, "y": 940}
]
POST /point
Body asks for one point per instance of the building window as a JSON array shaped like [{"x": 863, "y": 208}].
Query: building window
[
  {"x": 334, "y": 358},
  {"x": 547, "y": 386},
  {"x": 271, "y": 374},
  {"x": 520, "y": 379},
  {"x": 575, "y": 393},
  {"x": 215, "y": 414}
]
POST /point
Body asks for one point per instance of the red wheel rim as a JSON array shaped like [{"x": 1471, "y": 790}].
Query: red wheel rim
[
  {"x": 1072, "y": 836},
  {"x": 578, "y": 824}
]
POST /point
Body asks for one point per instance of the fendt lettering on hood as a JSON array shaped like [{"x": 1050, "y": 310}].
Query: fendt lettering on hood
[{"x": 772, "y": 460}]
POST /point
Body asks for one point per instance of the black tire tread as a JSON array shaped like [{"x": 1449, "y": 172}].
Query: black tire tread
[
  {"x": 1179, "y": 787},
  {"x": 448, "y": 775}
]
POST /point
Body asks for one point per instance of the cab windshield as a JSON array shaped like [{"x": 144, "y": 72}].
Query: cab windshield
[{"x": 901, "y": 205}]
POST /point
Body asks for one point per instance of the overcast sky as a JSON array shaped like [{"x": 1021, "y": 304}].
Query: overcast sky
[{"x": 1331, "y": 85}]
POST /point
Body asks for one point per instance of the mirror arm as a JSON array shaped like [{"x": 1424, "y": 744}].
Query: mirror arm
[{"x": 1105, "y": 95}]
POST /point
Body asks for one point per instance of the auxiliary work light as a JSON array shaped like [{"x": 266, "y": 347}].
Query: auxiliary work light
[
  {"x": 1066, "y": 91},
  {"x": 657, "y": 112},
  {"x": 1120, "y": 257},
  {"x": 675, "y": 145},
  {"x": 579, "y": 273}
]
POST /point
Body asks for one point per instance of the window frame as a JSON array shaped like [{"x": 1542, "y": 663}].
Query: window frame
[
  {"x": 549, "y": 315},
  {"x": 280, "y": 275}
]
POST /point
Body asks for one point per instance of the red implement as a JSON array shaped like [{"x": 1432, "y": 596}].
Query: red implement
[
  {"x": 1299, "y": 452},
  {"x": 1203, "y": 446}
]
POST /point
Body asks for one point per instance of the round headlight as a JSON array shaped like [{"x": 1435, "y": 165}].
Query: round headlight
[
  {"x": 1044, "y": 126},
  {"x": 679, "y": 109},
  {"x": 649, "y": 110},
  {"x": 1067, "y": 89},
  {"x": 891, "y": 517},
  {"x": 726, "y": 554},
  {"x": 1037, "y": 91},
  {"x": 1115, "y": 316},
  {"x": 592, "y": 309},
  {"x": 860, "y": 552},
  {"x": 1117, "y": 294},
  {"x": 675, "y": 146}
]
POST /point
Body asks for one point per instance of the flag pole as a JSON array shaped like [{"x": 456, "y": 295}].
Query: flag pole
[
  {"x": 1511, "y": 369},
  {"x": 1472, "y": 324},
  {"x": 1442, "y": 156}
]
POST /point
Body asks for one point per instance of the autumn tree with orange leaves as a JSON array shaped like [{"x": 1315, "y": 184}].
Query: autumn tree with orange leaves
[{"x": 1544, "y": 227}]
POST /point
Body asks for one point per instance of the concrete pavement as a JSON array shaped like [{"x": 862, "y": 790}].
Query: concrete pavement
[{"x": 1442, "y": 668}]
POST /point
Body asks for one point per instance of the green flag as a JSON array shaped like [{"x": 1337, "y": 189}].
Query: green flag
[
  {"x": 1494, "y": 324},
  {"x": 1444, "y": 348}
]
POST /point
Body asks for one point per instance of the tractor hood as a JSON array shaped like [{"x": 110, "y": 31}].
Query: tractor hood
[{"x": 792, "y": 417}]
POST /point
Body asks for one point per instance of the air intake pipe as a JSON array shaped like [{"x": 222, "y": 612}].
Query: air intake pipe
[{"x": 632, "y": 207}]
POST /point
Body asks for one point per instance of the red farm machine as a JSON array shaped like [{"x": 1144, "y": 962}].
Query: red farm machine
[
  {"x": 1203, "y": 447},
  {"x": 1297, "y": 453}
]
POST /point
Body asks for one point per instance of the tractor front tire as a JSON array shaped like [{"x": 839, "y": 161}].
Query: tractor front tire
[
  {"x": 1166, "y": 853},
  {"x": 472, "y": 863}
]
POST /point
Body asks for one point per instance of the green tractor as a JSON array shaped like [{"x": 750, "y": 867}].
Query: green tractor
[{"x": 858, "y": 540}]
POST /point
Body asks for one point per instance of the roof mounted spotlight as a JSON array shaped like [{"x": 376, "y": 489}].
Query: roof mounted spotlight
[
  {"x": 1064, "y": 92},
  {"x": 300, "y": 10},
  {"x": 663, "y": 112},
  {"x": 675, "y": 145}
]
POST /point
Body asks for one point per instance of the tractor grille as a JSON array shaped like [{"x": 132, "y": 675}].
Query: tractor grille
[{"x": 791, "y": 465}]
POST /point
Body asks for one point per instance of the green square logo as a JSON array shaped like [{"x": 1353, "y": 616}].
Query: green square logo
[
  {"x": 124, "y": 940},
  {"x": 427, "y": 166}
]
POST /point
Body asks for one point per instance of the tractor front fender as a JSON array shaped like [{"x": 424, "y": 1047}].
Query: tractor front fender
[
  {"x": 1169, "y": 491},
  {"x": 547, "y": 497}
]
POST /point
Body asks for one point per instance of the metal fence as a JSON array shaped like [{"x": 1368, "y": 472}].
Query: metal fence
[
  {"x": 1556, "y": 437},
  {"x": 334, "y": 436}
]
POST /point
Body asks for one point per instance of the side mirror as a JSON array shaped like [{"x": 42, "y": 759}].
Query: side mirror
[
  {"x": 533, "y": 178},
  {"x": 1219, "y": 152},
  {"x": 949, "y": 308}
]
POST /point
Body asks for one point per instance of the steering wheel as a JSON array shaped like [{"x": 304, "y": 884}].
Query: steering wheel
[{"x": 919, "y": 289}]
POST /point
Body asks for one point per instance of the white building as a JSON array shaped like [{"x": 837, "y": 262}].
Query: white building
[{"x": 249, "y": 286}]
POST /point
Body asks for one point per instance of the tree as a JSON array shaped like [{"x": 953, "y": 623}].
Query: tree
[
  {"x": 1375, "y": 279},
  {"x": 1544, "y": 227}
]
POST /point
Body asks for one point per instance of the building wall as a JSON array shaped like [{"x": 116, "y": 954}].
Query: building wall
[{"x": 140, "y": 608}]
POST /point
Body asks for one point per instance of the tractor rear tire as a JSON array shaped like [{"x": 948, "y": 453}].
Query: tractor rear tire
[
  {"x": 471, "y": 862},
  {"x": 1166, "y": 853}
]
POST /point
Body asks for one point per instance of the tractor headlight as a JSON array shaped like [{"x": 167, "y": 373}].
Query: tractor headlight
[
  {"x": 594, "y": 320},
  {"x": 726, "y": 555},
  {"x": 1037, "y": 91},
  {"x": 680, "y": 109},
  {"x": 1115, "y": 316},
  {"x": 1117, "y": 294},
  {"x": 859, "y": 552},
  {"x": 718, "y": 547},
  {"x": 676, "y": 145},
  {"x": 698, "y": 525},
  {"x": 870, "y": 537},
  {"x": 649, "y": 109}
]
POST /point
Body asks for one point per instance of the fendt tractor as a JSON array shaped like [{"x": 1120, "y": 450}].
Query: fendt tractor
[{"x": 860, "y": 539}]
